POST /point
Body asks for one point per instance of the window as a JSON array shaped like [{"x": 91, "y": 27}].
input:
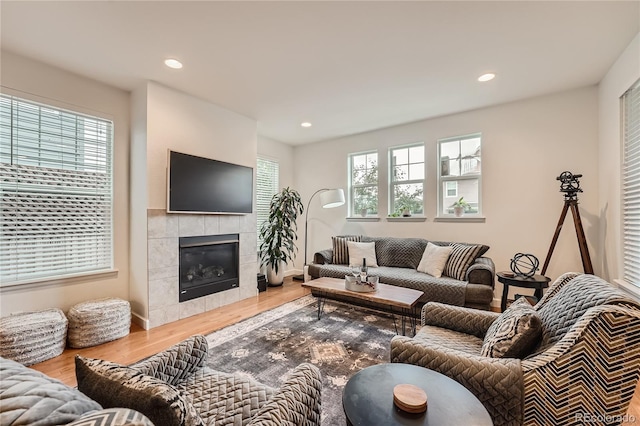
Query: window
[
  {"x": 631, "y": 185},
  {"x": 452, "y": 189},
  {"x": 459, "y": 174},
  {"x": 407, "y": 179},
  {"x": 363, "y": 188},
  {"x": 55, "y": 192},
  {"x": 267, "y": 175}
]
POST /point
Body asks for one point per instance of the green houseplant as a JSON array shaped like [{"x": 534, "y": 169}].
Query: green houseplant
[
  {"x": 279, "y": 233},
  {"x": 460, "y": 206}
]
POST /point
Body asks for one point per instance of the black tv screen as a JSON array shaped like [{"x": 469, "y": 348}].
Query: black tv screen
[{"x": 203, "y": 185}]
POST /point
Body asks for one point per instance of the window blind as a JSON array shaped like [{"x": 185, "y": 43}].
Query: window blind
[
  {"x": 55, "y": 192},
  {"x": 267, "y": 175},
  {"x": 631, "y": 185}
]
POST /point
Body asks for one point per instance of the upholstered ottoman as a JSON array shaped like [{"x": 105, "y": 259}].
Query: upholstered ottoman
[
  {"x": 32, "y": 337},
  {"x": 99, "y": 321}
]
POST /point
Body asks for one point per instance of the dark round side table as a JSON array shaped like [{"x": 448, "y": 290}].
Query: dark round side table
[
  {"x": 537, "y": 282},
  {"x": 367, "y": 398}
]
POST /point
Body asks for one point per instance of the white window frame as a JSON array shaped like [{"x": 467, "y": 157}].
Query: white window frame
[
  {"x": 56, "y": 192},
  {"x": 353, "y": 186},
  {"x": 393, "y": 182},
  {"x": 630, "y": 182},
  {"x": 264, "y": 195},
  {"x": 449, "y": 178}
]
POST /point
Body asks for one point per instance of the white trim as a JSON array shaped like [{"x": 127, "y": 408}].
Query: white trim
[
  {"x": 59, "y": 280},
  {"x": 628, "y": 288},
  {"x": 407, "y": 219},
  {"x": 363, "y": 219},
  {"x": 141, "y": 321},
  {"x": 471, "y": 219}
]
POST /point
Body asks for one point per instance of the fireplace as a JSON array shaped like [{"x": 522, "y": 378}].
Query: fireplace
[{"x": 208, "y": 264}]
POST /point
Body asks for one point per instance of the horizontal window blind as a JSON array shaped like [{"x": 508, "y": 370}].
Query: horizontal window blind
[
  {"x": 268, "y": 172},
  {"x": 55, "y": 192},
  {"x": 631, "y": 185}
]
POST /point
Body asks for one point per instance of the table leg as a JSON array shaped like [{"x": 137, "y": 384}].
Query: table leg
[
  {"x": 505, "y": 292},
  {"x": 538, "y": 294},
  {"x": 321, "y": 302}
]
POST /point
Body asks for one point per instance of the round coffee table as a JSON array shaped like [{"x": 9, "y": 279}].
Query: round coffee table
[{"x": 367, "y": 398}]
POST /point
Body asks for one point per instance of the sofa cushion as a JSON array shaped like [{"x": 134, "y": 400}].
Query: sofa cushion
[
  {"x": 341, "y": 249},
  {"x": 398, "y": 252},
  {"x": 462, "y": 256},
  {"x": 32, "y": 398},
  {"x": 114, "y": 385},
  {"x": 514, "y": 333},
  {"x": 434, "y": 259},
  {"x": 359, "y": 251}
]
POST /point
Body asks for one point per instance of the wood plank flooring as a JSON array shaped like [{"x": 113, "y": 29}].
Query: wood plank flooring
[{"x": 143, "y": 343}]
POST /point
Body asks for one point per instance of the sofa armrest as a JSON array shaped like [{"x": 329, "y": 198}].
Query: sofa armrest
[
  {"x": 323, "y": 257},
  {"x": 297, "y": 402},
  {"x": 496, "y": 382},
  {"x": 458, "y": 318},
  {"x": 482, "y": 271},
  {"x": 113, "y": 417},
  {"x": 177, "y": 362}
]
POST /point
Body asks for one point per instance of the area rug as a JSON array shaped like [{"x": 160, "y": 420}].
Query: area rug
[{"x": 268, "y": 346}]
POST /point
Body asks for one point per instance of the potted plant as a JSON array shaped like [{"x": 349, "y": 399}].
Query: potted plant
[
  {"x": 460, "y": 206},
  {"x": 279, "y": 233}
]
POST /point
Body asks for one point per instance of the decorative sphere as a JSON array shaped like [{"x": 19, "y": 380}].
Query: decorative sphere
[{"x": 524, "y": 265}]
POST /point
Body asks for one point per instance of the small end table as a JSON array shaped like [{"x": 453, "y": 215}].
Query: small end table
[{"x": 537, "y": 282}]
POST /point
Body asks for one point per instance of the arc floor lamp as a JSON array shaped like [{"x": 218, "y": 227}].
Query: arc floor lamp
[{"x": 329, "y": 198}]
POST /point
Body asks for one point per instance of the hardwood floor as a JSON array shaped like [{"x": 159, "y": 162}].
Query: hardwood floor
[{"x": 143, "y": 343}]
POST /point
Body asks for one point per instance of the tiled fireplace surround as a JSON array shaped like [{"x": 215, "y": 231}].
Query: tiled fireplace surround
[{"x": 163, "y": 231}]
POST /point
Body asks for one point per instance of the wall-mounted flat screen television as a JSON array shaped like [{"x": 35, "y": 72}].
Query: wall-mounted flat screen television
[{"x": 203, "y": 185}]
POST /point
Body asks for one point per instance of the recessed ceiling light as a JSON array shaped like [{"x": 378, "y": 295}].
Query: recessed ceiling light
[
  {"x": 487, "y": 77},
  {"x": 173, "y": 63},
  {"x": 305, "y": 124}
]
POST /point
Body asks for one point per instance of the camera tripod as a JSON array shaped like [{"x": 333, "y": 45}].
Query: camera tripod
[{"x": 571, "y": 203}]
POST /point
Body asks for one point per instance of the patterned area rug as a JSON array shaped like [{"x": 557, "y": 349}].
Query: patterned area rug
[{"x": 266, "y": 347}]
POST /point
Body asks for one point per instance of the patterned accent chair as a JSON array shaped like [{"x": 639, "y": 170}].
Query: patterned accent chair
[{"x": 583, "y": 370}]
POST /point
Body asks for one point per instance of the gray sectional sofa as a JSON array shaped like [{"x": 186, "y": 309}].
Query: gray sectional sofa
[{"x": 398, "y": 259}]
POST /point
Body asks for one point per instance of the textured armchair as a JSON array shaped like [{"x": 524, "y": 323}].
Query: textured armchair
[
  {"x": 176, "y": 387},
  {"x": 583, "y": 370}
]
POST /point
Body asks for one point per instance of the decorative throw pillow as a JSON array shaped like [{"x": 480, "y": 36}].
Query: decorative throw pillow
[
  {"x": 113, "y": 385},
  {"x": 462, "y": 256},
  {"x": 434, "y": 259},
  {"x": 341, "y": 250},
  {"x": 514, "y": 333},
  {"x": 359, "y": 251}
]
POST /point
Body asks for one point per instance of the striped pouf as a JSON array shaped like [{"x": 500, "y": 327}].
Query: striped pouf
[
  {"x": 99, "y": 321},
  {"x": 32, "y": 337}
]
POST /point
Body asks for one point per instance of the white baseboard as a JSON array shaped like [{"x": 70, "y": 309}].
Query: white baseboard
[
  {"x": 142, "y": 322},
  {"x": 496, "y": 303}
]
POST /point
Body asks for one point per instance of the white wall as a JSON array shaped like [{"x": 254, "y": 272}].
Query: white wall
[
  {"x": 525, "y": 146},
  {"x": 618, "y": 80},
  {"x": 281, "y": 152},
  {"x": 38, "y": 81}
]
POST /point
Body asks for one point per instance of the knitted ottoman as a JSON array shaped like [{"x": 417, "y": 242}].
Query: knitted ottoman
[
  {"x": 98, "y": 321},
  {"x": 32, "y": 337}
]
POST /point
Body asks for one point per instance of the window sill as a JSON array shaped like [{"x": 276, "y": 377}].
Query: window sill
[
  {"x": 60, "y": 280},
  {"x": 407, "y": 219},
  {"x": 628, "y": 287},
  {"x": 469, "y": 219},
  {"x": 363, "y": 219}
]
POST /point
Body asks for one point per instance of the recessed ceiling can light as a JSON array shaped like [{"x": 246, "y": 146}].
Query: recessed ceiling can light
[
  {"x": 173, "y": 63},
  {"x": 487, "y": 77},
  {"x": 305, "y": 124}
]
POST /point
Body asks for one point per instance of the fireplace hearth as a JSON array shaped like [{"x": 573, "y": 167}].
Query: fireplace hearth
[{"x": 208, "y": 264}]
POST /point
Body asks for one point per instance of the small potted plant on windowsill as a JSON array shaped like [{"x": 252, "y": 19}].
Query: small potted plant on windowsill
[{"x": 460, "y": 207}]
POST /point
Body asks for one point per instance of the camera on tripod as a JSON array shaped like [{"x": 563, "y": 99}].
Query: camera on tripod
[{"x": 570, "y": 185}]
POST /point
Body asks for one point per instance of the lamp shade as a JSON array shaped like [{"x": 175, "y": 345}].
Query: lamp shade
[{"x": 332, "y": 198}]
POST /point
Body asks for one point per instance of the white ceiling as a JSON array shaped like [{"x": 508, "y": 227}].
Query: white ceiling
[{"x": 347, "y": 67}]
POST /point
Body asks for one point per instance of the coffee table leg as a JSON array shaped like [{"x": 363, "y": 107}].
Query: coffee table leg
[
  {"x": 321, "y": 302},
  {"x": 505, "y": 292}
]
